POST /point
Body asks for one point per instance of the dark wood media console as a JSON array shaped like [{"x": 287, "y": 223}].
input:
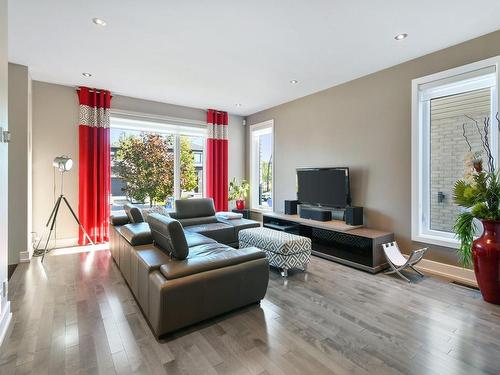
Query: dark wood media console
[{"x": 354, "y": 246}]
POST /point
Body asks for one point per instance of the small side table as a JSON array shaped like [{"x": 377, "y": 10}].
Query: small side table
[{"x": 245, "y": 212}]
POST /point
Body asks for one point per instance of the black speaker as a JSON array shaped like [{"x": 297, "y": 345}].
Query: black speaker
[
  {"x": 291, "y": 207},
  {"x": 313, "y": 213},
  {"x": 354, "y": 215}
]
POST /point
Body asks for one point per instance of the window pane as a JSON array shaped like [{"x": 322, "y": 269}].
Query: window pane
[
  {"x": 265, "y": 157},
  {"x": 448, "y": 149},
  {"x": 142, "y": 168},
  {"x": 191, "y": 173}
]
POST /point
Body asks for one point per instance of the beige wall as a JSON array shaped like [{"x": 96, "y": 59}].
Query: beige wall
[
  {"x": 19, "y": 162},
  {"x": 55, "y": 132},
  {"x": 365, "y": 124}
]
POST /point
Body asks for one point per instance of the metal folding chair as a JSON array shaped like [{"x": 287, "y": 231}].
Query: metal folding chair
[{"x": 398, "y": 262}]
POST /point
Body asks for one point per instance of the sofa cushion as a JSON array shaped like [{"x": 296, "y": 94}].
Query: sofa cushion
[
  {"x": 136, "y": 233},
  {"x": 168, "y": 235},
  {"x": 240, "y": 224},
  {"x": 188, "y": 208},
  {"x": 133, "y": 212},
  {"x": 209, "y": 257},
  {"x": 220, "y": 232},
  {"x": 198, "y": 220},
  {"x": 195, "y": 239}
]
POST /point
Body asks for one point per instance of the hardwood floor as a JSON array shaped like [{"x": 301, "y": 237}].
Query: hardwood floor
[{"x": 75, "y": 315}]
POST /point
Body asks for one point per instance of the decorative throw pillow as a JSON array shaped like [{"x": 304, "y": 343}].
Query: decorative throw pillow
[{"x": 155, "y": 209}]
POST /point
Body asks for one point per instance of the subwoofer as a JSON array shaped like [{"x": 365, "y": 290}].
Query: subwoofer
[
  {"x": 291, "y": 207},
  {"x": 354, "y": 215}
]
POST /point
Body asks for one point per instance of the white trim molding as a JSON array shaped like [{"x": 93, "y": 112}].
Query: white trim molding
[
  {"x": 141, "y": 116},
  {"x": 25, "y": 256},
  {"x": 5, "y": 319},
  {"x": 453, "y": 273},
  {"x": 478, "y": 75},
  {"x": 255, "y": 130},
  {"x": 58, "y": 243}
]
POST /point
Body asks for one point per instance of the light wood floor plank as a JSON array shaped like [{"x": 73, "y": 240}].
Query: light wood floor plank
[{"x": 75, "y": 315}]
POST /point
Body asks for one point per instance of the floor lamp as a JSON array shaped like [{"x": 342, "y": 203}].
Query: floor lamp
[{"x": 63, "y": 164}]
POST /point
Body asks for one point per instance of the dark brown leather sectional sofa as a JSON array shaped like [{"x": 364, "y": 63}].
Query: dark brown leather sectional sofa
[{"x": 180, "y": 277}]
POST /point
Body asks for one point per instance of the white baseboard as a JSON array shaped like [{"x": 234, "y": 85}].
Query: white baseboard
[
  {"x": 454, "y": 273},
  {"x": 5, "y": 319},
  {"x": 60, "y": 243},
  {"x": 25, "y": 256}
]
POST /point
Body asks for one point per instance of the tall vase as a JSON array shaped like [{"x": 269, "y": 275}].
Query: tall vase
[{"x": 486, "y": 256}]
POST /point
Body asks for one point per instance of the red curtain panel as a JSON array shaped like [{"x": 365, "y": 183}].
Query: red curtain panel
[
  {"x": 217, "y": 178},
  {"x": 94, "y": 164}
]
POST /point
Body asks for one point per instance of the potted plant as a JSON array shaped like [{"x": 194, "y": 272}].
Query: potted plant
[
  {"x": 238, "y": 192},
  {"x": 479, "y": 193}
]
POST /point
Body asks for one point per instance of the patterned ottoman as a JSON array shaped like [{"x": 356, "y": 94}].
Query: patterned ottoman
[{"x": 283, "y": 250}]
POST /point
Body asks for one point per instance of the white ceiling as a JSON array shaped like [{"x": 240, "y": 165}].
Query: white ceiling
[{"x": 218, "y": 53}]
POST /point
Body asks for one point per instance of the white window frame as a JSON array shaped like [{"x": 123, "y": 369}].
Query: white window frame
[
  {"x": 255, "y": 131},
  {"x": 422, "y": 92},
  {"x": 127, "y": 120}
]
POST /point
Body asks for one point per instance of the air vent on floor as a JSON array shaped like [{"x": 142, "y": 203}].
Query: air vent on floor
[{"x": 464, "y": 285}]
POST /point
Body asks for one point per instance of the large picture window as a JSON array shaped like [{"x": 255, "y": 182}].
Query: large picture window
[
  {"x": 449, "y": 110},
  {"x": 261, "y": 165},
  {"x": 155, "y": 163}
]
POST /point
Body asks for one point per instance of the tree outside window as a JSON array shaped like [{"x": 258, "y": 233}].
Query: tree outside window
[{"x": 145, "y": 165}]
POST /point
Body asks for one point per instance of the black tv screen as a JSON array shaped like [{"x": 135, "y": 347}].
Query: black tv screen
[{"x": 323, "y": 186}]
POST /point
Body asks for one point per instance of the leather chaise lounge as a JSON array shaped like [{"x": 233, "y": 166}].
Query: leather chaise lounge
[
  {"x": 180, "y": 277},
  {"x": 198, "y": 216}
]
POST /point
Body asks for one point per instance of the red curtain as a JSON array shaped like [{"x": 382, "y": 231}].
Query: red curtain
[
  {"x": 217, "y": 178},
  {"x": 94, "y": 164}
]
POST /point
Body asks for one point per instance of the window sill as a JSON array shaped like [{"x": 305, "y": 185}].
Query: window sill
[
  {"x": 430, "y": 239},
  {"x": 261, "y": 210}
]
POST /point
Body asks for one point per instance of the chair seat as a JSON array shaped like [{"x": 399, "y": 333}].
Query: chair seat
[
  {"x": 397, "y": 259},
  {"x": 398, "y": 262}
]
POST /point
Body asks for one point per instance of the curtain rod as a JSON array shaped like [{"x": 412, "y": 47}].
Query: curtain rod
[{"x": 93, "y": 90}]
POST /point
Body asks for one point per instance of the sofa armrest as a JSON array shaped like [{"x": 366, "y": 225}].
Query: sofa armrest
[
  {"x": 137, "y": 233},
  {"x": 118, "y": 219}
]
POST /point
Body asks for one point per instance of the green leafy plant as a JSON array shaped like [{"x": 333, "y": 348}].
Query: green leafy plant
[
  {"x": 478, "y": 193},
  {"x": 189, "y": 177},
  {"x": 146, "y": 164},
  {"x": 237, "y": 190}
]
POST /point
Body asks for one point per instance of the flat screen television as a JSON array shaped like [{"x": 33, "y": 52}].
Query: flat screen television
[{"x": 327, "y": 187}]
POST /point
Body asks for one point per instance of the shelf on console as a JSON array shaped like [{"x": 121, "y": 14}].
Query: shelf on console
[{"x": 337, "y": 225}]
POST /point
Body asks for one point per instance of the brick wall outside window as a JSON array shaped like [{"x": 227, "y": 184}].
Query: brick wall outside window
[{"x": 448, "y": 149}]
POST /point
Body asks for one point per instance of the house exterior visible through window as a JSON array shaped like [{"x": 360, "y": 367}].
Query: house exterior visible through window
[
  {"x": 155, "y": 163},
  {"x": 449, "y": 113},
  {"x": 261, "y": 165}
]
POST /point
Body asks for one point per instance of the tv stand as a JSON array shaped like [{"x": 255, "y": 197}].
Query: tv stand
[{"x": 352, "y": 245}]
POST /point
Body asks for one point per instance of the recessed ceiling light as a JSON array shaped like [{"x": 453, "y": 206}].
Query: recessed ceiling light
[
  {"x": 294, "y": 81},
  {"x": 99, "y": 22},
  {"x": 401, "y": 36},
  {"x": 86, "y": 74}
]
